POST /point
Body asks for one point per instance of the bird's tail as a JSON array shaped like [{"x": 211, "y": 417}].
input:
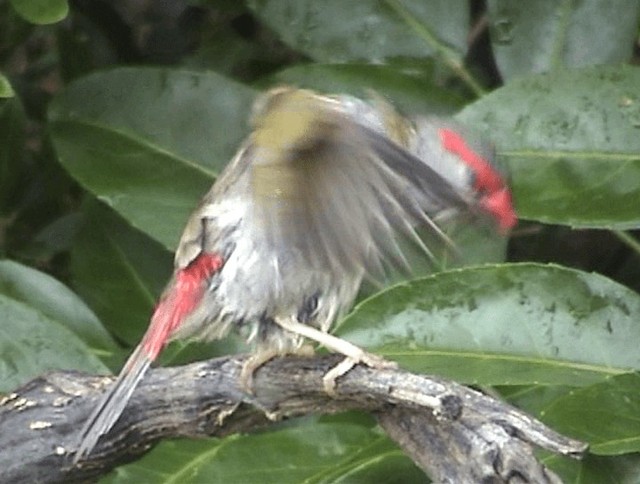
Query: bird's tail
[
  {"x": 182, "y": 295},
  {"x": 106, "y": 414}
]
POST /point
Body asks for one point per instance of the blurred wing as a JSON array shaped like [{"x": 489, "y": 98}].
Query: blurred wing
[{"x": 343, "y": 193}]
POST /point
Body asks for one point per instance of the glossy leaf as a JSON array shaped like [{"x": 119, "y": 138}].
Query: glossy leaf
[
  {"x": 535, "y": 37},
  {"x": 605, "y": 415},
  {"x": 311, "y": 453},
  {"x": 571, "y": 140},
  {"x": 534, "y": 398},
  {"x": 41, "y": 11},
  {"x": 51, "y": 298},
  {"x": 371, "y": 30},
  {"x": 597, "y": 470},
  {"x": 119, "y": 271},
  {"x": 149, "y": 142},
  {"x": 504, "y": 325},
  {"x": 31, "y": 343}
]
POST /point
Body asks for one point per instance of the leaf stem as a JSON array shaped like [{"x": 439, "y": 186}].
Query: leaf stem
[
  {"x": 449, "y": 56},
  {"x": 629, "y": 240}
]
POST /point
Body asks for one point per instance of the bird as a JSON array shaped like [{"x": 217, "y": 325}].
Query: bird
[{"x": 316, "y": 200}]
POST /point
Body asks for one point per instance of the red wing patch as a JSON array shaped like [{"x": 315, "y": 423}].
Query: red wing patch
[{"x": 179, "y": 300}]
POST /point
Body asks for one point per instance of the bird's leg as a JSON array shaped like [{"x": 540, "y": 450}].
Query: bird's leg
[
  {"x": 261, "y": 356},
  {"x": 354, "y": 354},
  {"x": 255, "y": 361}
]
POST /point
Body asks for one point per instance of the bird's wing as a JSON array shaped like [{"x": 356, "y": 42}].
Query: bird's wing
[{"x": 338, "y": 191}]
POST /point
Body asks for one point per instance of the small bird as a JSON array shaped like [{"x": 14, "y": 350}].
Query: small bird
[{"x": 316, "y": 200}]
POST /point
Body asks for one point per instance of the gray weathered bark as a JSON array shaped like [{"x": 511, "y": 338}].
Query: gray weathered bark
[{"x": 455, "y": 434}]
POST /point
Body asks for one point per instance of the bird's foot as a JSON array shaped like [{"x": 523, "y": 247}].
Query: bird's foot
[
  {"x": 263, "y": 356},
  {"x": 347, "y": 364}
]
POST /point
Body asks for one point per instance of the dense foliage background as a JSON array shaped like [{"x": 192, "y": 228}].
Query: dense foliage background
[{"x": 115, "y": 117}]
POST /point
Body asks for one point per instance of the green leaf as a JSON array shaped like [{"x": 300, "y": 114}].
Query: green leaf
[
  {"x": 571, "y": 140},
  {"x": 312, "y": 452},
  {"x": 370, "y": 30},
  {"x": 32, "y": 343},
  {"x": 605, "y": 415},
  {"x": 475, "y": 243},
  {"x": 411, "y": 92},
  {"x": 535, "y": 37},
  {"x": 41, "y": 11},
  {"x": 43, "y": 293},
  {"x": 534, "y": 398},
  {"x": 149, "y": 141},
  {"x": 597, "y": 470},
  {"x": 5, "y": 87},
  {"x": 119, "y": 271},
  {"x": 504, "y": 325}
]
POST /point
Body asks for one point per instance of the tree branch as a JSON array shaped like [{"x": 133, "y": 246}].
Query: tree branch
[{"x": 455, "y": 434}]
